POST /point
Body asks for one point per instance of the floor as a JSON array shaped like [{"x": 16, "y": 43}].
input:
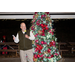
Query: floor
[
  {"x": 10, "y": 60},
  {"x": 69, "y": 59},
  {"x": 18, "y": 60},
  {"x": 11, "y": 57}
]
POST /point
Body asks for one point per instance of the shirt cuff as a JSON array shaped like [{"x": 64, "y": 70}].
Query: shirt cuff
[
  {"x": 31, "y": 38},
  {"x": 16, "y": 41}
]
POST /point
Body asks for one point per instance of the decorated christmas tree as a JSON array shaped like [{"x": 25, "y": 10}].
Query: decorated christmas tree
[{"x": 45, "y": 47}]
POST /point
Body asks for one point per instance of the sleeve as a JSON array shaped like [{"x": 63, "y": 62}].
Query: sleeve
[
  {"x": 31, "y": 36},
  {"x": 16, "y": 38}
]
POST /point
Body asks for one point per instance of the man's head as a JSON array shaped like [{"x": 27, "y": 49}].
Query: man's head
[{"x": 23, "y": 26}]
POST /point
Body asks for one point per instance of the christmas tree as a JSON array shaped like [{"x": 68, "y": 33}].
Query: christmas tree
[{"x": 45, "y": 47}]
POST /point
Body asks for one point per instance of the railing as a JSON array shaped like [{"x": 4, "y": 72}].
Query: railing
[
  {"x": 72, "y": 46},
  {"x": 63, "y": 47},
  {"x": 12, "y": 47}
]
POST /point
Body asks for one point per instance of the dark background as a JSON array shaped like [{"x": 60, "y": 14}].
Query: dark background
[{"x": 64, "y": 28}]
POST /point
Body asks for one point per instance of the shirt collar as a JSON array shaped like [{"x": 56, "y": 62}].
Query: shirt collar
[{"x": 23, "y": 32}]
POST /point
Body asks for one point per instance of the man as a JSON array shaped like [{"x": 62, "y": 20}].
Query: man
[{"x": 25, "y": 45}]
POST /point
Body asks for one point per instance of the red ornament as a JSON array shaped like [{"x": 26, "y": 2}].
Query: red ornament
[
  {"x": 36, "y": 35},
  {"x": 49, "y": 57},
  {"x": 36, "y": 41},
  {"x": 38, "y": 23},
  {"x": 52, "y": 55},
  {"x": 49, "y": 50},
  {"x": 43, "y": 16},
  {"x": 51, "y": 31},
  {"x": 51, "y": 44},
  {"x": 35, "y": 12},
  {"x": 43, "y": 34},
  {"x": 45, "y": 25},
  {"x": 45, "y": 43},
  {"x": 47, "y": 12},
  {"x": 35, "y": 56},
  {"x": 42, "y": 25},
  {"x": 38, "y": 55},
  {"x": 42, "y": 42},
  {"x": 39, "y": 51},
  {"x": 33, "y": 16},
  {"x": 32, "y": 28},
  {"x": 56, "y": 54},
  {"x": 46, "y": 28},
  {"x": 36, "y": 49},
  {"x": 43, "y": 30},
  {"x": 41, "y": 55},
  {"x": 39, "y": 47}
]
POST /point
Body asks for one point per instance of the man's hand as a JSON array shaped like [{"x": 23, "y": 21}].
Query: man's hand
[
  {"x": 27, "y": 36},
  {"x": 13, "y": 38}
]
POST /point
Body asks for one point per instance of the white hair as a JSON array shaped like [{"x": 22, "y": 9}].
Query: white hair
[{"x": 21, "y": 23}]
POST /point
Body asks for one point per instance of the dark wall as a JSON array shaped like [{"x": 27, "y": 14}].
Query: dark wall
[{"x": 65, "y": 30}]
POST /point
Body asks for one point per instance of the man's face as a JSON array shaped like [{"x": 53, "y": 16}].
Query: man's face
[{"x": 23, "y": 26}]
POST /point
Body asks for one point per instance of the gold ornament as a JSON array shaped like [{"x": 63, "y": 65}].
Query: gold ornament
[
  {"x": 50, "y": 23},
  {"x": 33, "y": 42},
  {"x": 46, "y": 17},
  {"x": 35, "y": 60},
  {"x": 45, "y": 52},
  {"x": 40, "y": 32},
  {"x": 36, "y": 15}
]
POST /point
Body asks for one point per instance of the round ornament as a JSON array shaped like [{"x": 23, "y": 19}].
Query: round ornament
[{"x": 40, "y": 32}]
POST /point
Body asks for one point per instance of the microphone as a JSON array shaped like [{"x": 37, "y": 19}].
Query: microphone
[{"x": 25, "y": 32}]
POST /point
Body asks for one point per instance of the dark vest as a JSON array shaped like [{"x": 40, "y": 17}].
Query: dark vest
[{"x": 24, "y": 43}]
